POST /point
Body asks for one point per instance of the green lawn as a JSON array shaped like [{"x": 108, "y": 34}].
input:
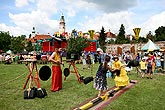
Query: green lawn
[{"x": 146, "y": 95}]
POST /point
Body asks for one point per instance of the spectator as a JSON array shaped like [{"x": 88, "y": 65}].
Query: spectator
[
  {"x": 162, "y": 61},
  {"x": 88, "y": 60},
  {"x": 84, "y": 59},
  {"x": 143, "y": 67},
  {"x": 128, "y": 57},
  {"x": 149, "y": 68}
]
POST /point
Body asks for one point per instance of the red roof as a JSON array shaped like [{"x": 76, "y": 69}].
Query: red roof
[
  {"x": 38, "y": 37},
  {"x": 110, "y": 35}
]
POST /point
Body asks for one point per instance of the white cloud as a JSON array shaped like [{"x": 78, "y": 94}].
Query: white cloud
[
  {"x": 48, "y": 6},
  {"x": 12, "y": 30},
  {"x": 38, "y": 19},
  {"x": 113, "y": 5},
  {"x": 92, "y": 14},
  {"x": 110, "y": 21},
  {"x": 21, "y": 3},
  {"x": 153, "y": 23}
]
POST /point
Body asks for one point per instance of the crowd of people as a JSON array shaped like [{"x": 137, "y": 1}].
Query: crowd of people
[
  {"x": 156, "y": 59},
  {"x": 18, "y": 58},
  {"x": 116, "y": 66},
  {"x": 111, "y": 65}
]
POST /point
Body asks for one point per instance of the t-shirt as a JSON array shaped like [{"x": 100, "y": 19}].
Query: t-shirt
[{"x": 143, "y": 65}]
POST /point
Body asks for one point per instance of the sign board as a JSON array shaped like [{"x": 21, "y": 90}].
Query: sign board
[{"x": 137, "y": 31}]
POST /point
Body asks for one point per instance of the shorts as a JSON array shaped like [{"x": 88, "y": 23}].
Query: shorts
[
  {"x": 143, "y": 70},
  {"x": 149, "y": 70}
]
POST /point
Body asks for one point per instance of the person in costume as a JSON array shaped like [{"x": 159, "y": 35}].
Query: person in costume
[
  {"x": 100, "y": 82},
  {"x": 56, "y": 60},
  {"x": 121, "y": 78}
]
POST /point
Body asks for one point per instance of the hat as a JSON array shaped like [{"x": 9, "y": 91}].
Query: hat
[{"x": 99, "y": 50}]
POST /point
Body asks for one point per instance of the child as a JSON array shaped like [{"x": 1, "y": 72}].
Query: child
[
  {"x": 143, "y": 67},
  {"x": 121, "y": 78},
  {"x": 149, "y": 68},
  {"x": 158, "y": 64},
  {"x": 153, "y": 66},
  {"x": 109, "y": 74},
  {"x": 100, "y": 82}
]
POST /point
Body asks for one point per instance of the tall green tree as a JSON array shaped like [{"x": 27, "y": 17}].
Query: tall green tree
[
  {"x": 121, "y": 39},
  {"x": 18, "y": 43},
  {"x": 76, "y": 44},
  {"x": 160, "y": 33},
  {"x": 5, "y": 41},
  {"x": 142, "y": 39},
  {"x": 102, "y": 39},
  {"x": 29, "y": 47},
  {"x": 150, "y": 36}
]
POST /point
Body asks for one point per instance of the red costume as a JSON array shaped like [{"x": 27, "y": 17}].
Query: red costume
[{"x": 56, "y": 74}]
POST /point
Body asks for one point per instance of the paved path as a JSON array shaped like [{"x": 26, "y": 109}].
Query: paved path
[{"x": 104, "y": 103}]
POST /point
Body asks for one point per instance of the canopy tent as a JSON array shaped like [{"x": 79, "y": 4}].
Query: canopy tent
[
  {"x": 24, "y": 53},
  {"x": 150, "y": 46},
  {"x": 9, "y": 52}
]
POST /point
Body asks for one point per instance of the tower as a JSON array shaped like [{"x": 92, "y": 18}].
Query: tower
[
  {"x": 33, "y": 32},
  {"x": 62, "y": 25}
]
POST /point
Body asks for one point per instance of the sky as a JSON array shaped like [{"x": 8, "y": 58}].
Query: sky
[{"x": 20, "y": 16}]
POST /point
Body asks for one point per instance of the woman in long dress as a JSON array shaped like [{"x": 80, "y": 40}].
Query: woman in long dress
[
  {"x": 100, "y": 82},
  {"x": 56, "y": 60}
]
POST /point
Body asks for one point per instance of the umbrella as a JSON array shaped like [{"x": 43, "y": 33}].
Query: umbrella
[{"x": 150, "y": 46}]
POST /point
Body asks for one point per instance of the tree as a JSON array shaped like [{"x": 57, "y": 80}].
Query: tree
[
  {"x": 121, "y": 36},
  {"x": 142, "y": 39},
  {"x": 29, "y": 46},
  {"x": 76, "y": 44},
  {"x": 5, "y": 41},
  {"x": 150, "y": 36},
  {"x": 111, "y": 41},
  {"x": 160, "y": 34},
  {"x": 18, "y": 43},
  {"x": 102, "y": 39}
]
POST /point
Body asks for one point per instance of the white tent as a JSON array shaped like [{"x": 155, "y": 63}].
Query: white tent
[
  {"x": 150, "y": 46},
  {"x": 9, "y": 52}
]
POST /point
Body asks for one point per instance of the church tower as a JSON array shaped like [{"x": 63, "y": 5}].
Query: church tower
[
  {"x": 62, "y": 25},
  {"x": 33, "y": 32}
]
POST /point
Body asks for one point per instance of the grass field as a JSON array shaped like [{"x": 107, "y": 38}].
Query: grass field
[{"x": 146, "y": 95}]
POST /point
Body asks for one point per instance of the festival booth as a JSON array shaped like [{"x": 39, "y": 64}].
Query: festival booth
[{"x": 150, "y": 46}]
